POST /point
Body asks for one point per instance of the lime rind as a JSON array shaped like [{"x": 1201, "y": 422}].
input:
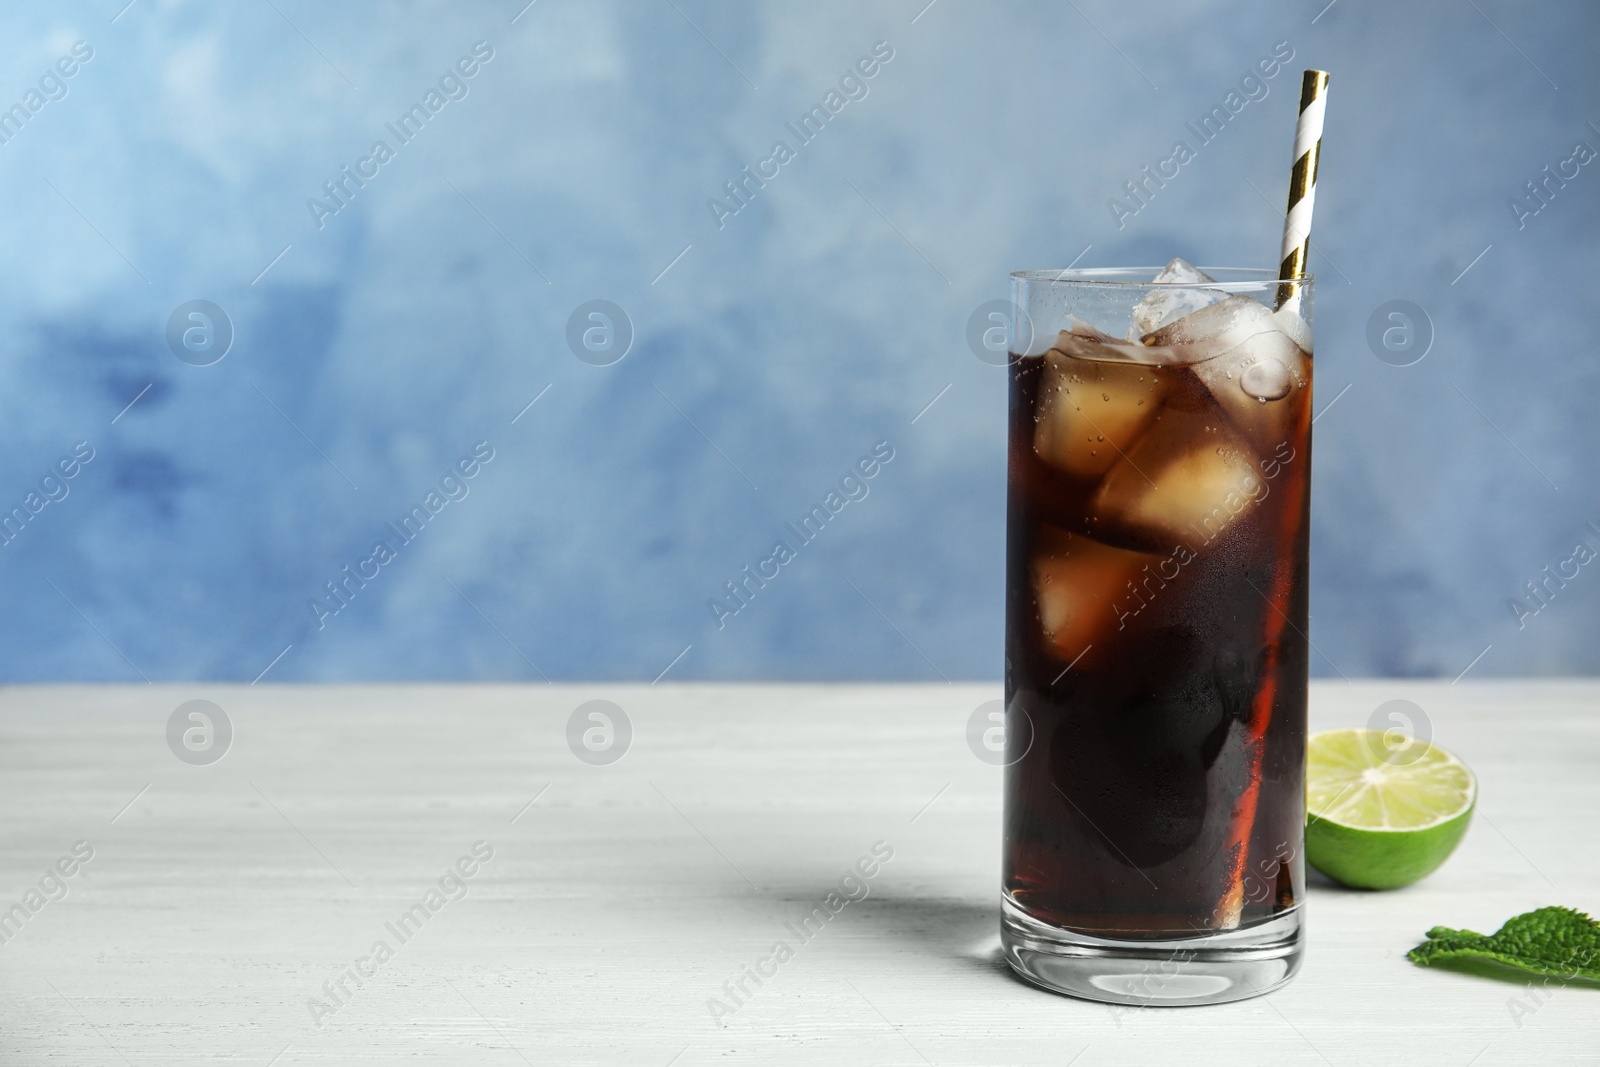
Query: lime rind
[{"x": 1384, "y": 809}]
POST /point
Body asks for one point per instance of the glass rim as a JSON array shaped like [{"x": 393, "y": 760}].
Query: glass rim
[{"x": 1227, "y": 279}]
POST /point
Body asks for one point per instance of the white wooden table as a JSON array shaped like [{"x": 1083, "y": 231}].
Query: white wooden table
[{"x": 220, "y": 898}]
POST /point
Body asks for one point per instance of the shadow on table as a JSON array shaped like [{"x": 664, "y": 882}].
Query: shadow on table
[
  {"x": 965, "y": 931},
  {"x": 1499, "y": 972},
  {"x": 1320, "y": 882}
]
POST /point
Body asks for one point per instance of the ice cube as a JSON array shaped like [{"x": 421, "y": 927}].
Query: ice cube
[
  {"x": 1186, "y": 481},
  {"x": 1290, "y": 322},
  {"x": 1218, "y": 326},
  {"x": 1085, "y": 330},
  {"x": 1253, "y": 368},
  {"x": 1263, "y": 384},
  {"x": 1090, "y": 411},
  {"x": 1181, "y": 270},
  {"x": 1080, "y": 587},
  {"x": 1162, "y": 306},
  {"x": 1086, "y": 342}
]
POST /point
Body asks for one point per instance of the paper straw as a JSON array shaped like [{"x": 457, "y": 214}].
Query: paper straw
[
  {"x": 1302, "y": 181},
  {"x": 1292, "y": 264}
]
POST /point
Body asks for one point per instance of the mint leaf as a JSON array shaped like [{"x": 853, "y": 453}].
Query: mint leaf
[{"x": 1554, "y": 941}]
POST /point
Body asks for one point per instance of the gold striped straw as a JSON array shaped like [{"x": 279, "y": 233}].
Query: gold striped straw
[{"x": 1302, "y": 181}]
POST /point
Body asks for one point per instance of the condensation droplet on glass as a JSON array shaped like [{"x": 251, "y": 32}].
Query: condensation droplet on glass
[{"x": 1266, "y": 380}]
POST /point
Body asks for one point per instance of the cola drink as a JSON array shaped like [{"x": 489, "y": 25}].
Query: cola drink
[{"x": 1156, "y": 570}]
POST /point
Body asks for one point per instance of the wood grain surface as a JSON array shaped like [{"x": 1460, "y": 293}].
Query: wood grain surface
[{"x": 619, "y": 899}]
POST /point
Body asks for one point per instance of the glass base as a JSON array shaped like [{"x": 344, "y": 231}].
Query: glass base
[{"x": 1213, "y": 969}]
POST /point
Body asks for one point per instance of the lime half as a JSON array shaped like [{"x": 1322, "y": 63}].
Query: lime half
[{"x": 1383, "y": 809}]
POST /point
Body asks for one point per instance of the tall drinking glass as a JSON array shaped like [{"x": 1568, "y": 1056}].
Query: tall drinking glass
[{"x": 1156, "y": 570}]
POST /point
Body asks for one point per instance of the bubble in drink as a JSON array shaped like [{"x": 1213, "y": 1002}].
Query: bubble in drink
[{"x": 1267, "y": 380}]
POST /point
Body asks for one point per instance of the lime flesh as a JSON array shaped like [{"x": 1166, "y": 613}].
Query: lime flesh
[{"x": 1383, "y": 809}]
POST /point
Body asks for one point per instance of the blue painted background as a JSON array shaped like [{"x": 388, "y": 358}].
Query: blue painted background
[{"x": 375, "y": 346}]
